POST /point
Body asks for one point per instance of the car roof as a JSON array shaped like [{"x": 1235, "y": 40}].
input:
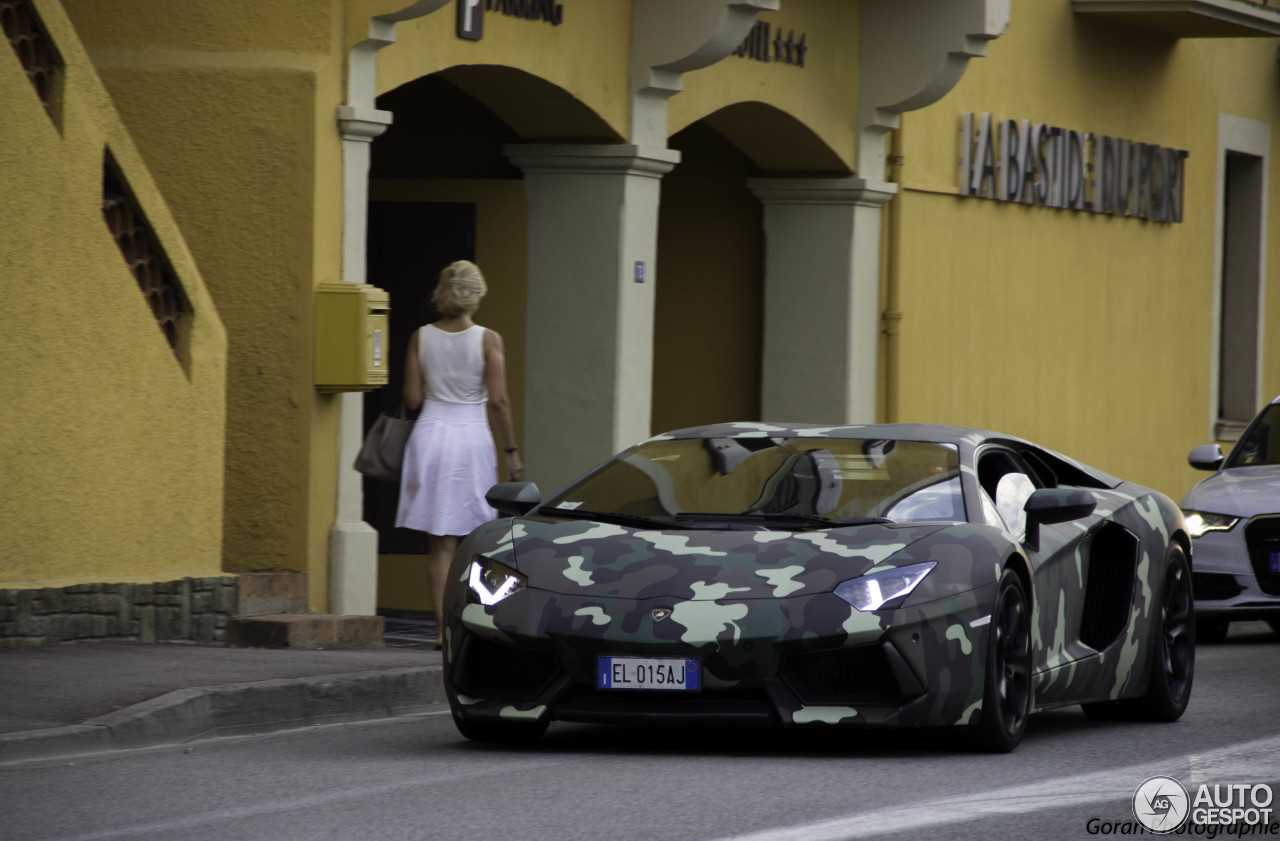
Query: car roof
[
  {"x": 932, "y": 432},
  {"x": 965, "y": 438}
]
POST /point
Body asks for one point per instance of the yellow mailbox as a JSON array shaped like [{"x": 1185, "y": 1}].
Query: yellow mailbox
[{"x": 351, "y": 336}]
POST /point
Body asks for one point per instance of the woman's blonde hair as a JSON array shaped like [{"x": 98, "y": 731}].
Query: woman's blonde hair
[{"x": 460, "y": 289}]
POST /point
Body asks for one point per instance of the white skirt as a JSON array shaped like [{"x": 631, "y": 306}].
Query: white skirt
[{"x": 449, "y": 465}]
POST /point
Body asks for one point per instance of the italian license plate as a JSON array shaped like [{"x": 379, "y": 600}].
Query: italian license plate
[{"x": 662, "y": 673}]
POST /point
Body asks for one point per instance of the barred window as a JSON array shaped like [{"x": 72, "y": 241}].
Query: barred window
[
  {"x": 35, "y": 49},
  {"x": 142, "y": 253}
]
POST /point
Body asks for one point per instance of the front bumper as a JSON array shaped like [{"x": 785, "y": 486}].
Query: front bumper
[
  {"x": 1237, "y": 572},
  {"x": 790, "y": 661}
]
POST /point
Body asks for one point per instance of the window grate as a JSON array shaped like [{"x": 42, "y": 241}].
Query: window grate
[
  {"x": 34, "y": 48},
  {"x": 138, "y": 246}
]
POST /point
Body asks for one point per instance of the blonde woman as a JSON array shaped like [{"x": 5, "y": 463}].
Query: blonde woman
[{"x": 453, "y": 371}]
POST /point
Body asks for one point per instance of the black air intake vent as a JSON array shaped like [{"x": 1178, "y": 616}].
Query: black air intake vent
[
  {"x": 860, "y": 674},
  {"x": 491, "y": 670},
  {"x": 1111, "y": 565}
]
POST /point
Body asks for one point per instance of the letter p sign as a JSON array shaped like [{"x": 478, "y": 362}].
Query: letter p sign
[{"x": 471, "y": 19}]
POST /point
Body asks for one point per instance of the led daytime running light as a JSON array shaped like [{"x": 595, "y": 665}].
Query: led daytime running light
[
  {"x": 1202, "y": 522},
  {"x": 873, "y": 591},
  {"x": 491, "y": 582}
]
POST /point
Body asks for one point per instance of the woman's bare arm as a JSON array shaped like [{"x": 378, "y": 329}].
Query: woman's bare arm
[
  {"x": 411, "y": 391},
  {"x": 495, "y": 379}
]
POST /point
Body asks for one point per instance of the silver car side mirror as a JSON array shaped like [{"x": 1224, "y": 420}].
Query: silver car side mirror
[{"x": 1206, "y": 457}]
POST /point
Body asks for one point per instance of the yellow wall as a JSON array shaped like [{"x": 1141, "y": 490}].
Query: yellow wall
[
  {"x": 822, "y": 95},
  {"x": 585, "y": 54},
  {"x": 247, "y": 91},
  {"x": 1088, "y": 333},
  {"x": 111, "y": 450}
]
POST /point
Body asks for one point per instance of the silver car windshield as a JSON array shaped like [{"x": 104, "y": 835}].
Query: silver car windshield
[
  {"x": 1261, "y": 444},
  {"x": 829, "y": 478}
]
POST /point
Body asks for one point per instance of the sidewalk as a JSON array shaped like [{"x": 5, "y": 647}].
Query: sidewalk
[{"x": 74, "y": 699}]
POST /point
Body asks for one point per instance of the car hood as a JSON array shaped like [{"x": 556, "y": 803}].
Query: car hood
[
  {"x": 1240, "y": 491},
  {"x": 603, "y": 559}
]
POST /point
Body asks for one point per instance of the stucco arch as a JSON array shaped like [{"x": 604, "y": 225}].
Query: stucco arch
[
  {"x": 533, "y": 107},
  {"x": 775, "y": 141}
]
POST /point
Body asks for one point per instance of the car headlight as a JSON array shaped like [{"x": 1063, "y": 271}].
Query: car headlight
[
  {"x": 874, "y": 591},
  {"x": 1199, "y": 522},
  {"x": 489, "y": 582}
]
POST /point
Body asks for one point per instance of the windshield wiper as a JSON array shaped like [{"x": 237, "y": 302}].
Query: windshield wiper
[{"x": 778, "y": 517}]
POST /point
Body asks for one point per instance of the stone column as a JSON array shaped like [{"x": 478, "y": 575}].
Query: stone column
[
  {"x": 822, "y": 298},
  {"x": 593, "y": 225},
  {"x": 353, "y": 543}
]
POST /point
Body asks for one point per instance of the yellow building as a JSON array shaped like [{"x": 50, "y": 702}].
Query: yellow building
[{"x": 1046, "y": 217}]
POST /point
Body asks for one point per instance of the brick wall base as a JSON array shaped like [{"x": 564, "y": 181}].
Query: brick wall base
[{"x": 190, "y": 610}]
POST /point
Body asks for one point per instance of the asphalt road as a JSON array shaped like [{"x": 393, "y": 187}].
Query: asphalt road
[{"x": 416, "y": 778}]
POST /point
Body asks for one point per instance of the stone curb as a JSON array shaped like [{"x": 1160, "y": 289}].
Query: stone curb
[{"x": 244, "y": 708}]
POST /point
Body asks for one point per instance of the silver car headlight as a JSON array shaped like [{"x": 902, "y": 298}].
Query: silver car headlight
[
  {"x": 489, "y": 582},
  {"x": 875, "y": 590},
  {"x": 1200, "y": 522}
]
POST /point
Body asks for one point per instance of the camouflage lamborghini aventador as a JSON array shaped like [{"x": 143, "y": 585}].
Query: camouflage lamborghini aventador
[{"x": 891, "y": 576}]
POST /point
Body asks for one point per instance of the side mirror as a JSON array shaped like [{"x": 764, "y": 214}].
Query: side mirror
[
  {"x": 1055, "y": 505},
  {"x": 1206, "y": 457},
  {"x": 514, "y": 498}
]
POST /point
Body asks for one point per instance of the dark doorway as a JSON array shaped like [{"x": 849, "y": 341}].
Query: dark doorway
[{"x": 408, "y": 244}]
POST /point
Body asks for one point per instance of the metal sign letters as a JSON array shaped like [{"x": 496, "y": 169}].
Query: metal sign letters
[
  {"x": 471, "y": 14},
  {"x": 1038, "y": 164}
]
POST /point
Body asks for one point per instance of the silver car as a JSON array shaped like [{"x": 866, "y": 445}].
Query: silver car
[{"x": 1234, "y": 520}]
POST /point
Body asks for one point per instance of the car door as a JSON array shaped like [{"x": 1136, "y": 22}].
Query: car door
[{"x": 1007, "y": 477}]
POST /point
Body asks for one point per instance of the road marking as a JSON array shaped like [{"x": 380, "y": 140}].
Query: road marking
[
  {"x": 169, "y": 828},
  {"x": 1257, "y": 761}
]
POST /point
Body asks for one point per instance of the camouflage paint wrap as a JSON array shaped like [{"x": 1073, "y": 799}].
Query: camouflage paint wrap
[{"x": 752, "y": 602}]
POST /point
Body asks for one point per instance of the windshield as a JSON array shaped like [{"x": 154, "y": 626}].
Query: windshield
[
  {"x": 833, "y": 479},
  {"x": 1261, "y": 444}
]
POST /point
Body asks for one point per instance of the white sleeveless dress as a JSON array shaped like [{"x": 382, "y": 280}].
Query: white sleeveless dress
[{"x": 449, "y": 462}]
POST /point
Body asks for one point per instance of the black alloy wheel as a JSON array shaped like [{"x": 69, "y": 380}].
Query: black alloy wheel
[
  {"x": 1006, "y": 701},
  {"x": 1178, "y": 634},
  {"x": 1173, "y": 654}
]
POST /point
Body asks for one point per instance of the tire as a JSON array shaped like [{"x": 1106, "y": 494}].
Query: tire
[
  {"x": 1275, "y": 625},
  {"x": 1212, "y": 631},
  {"x": 1173, "y": 657},
  {"x": 1006, "y": 696},
  {"x": 516, "y": 733}
]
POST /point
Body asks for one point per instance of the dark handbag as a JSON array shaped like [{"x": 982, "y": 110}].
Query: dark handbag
[{"x": 383, "y": 450}]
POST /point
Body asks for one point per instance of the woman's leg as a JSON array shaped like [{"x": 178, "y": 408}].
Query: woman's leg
[{"x": 440, "y": 549}]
